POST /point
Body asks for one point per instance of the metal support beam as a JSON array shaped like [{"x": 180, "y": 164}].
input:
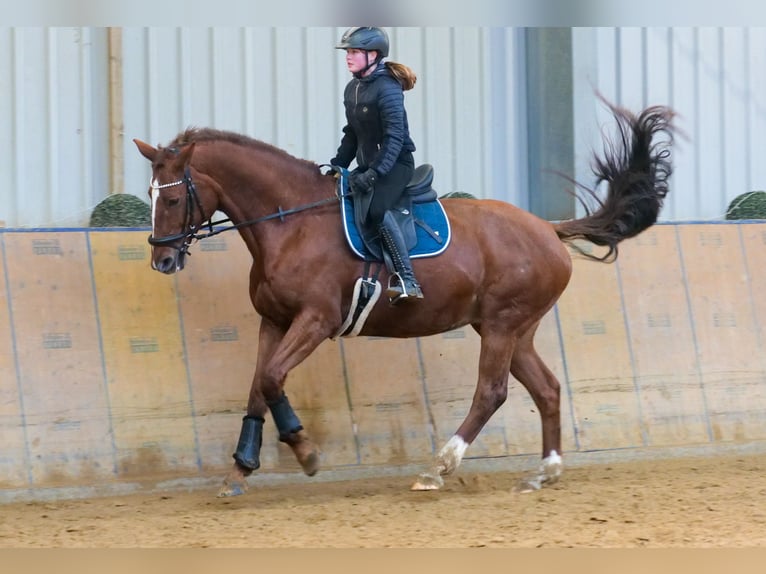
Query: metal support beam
[{"x": 116, "y": 127}]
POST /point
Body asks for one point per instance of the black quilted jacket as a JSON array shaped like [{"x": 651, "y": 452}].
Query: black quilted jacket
[{"x": 376, "y": 131}]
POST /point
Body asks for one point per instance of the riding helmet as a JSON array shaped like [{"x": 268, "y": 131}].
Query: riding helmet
[{"x": 366, "y": 38}]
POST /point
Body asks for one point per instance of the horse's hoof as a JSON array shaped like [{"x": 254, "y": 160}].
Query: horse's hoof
[
  {"x": 310, "y": 464},
  {"x": 427, "y": 481},
  {"x": 232, "y": 489},
  {"x": 528, "y": 485},
  {"x": 305, "y": 451}
]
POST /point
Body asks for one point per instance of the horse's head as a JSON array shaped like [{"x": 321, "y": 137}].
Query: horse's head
[{"x": 180, "y": 203}]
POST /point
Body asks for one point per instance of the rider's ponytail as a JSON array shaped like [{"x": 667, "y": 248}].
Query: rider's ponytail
[{"x": 403, "y": 74}]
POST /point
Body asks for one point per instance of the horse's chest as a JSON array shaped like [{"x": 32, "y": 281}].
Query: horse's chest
[{"x": 276, "y": 301}]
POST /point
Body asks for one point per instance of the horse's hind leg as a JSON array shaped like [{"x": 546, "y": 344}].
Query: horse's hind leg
[
  {"x": 492, "y": 388},
  {"x": 528, "y": 368}
]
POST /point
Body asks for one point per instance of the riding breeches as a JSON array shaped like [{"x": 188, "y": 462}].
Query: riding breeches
[{"x": 389, "y": 188}]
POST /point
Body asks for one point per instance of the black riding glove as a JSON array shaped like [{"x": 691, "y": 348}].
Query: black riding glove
[{"x": 364, "y": 182}]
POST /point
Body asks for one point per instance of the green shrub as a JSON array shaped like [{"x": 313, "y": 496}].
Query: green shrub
[
  {"x": 457, "y": 194},
  {"x": 121, "y": 210},
  {"x": 750, "y": 205}
]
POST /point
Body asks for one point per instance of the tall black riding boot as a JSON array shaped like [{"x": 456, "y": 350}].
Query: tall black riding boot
[{"x": 402, "y": 284}]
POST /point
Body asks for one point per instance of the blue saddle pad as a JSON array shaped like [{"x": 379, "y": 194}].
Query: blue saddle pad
[{"x": 431, "y": 214}]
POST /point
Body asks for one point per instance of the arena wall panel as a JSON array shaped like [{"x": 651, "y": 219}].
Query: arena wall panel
[
  {"x": 113, "y": 374},
  {"x": 753, "y": 238},
  {"x": 661, "y": 339},
  {"x": 599, "y": 366},
  {"x": 146, "y": 371},
  {"x": 754, "y": 244},
  {"x": 730, "y": 357},
  {"x": 14, "y": 458},
  {"x": 387, "y": 403},
  {"x": 58, "y": 355}
]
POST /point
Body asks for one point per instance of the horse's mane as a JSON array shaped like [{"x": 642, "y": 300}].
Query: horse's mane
[{"x": 204, "y": 135}]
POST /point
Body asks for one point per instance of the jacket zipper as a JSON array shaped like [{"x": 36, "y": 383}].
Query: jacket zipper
[{"x": 356, "y": 105}]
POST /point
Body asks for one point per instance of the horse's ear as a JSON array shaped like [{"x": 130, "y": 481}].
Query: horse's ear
[
  {"x": 185, "y": 155},
  {"x": 148, "y": 151}
]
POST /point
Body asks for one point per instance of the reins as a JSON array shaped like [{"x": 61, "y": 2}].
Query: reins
[{"x": 191, "y": 234}]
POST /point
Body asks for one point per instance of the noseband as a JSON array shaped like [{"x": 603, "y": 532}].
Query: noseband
[{"x": 190, "y": 230}]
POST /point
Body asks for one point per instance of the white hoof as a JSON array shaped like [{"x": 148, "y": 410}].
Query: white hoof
[
  {"x": 527, "y": 485},
  {"x": 549, "y": 472},
  {"x": 447, "y": 461},
  {"x": 428, "y": 481}
]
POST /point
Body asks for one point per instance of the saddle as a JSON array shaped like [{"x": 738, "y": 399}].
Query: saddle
[
  {"x": 424, "y": 225},
  {"x": 419, "y": 215}
]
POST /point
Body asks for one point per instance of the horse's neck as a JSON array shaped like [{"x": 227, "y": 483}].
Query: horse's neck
[
  {"x": 252, "y": 192},
  {"x": 251, "y": 186}
]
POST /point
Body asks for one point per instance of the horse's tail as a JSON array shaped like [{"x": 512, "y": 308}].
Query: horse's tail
[{"x": 636, "y": 170}]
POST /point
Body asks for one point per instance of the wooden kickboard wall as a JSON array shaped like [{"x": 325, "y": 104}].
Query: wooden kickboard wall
[{"x": 111, "y": 372}]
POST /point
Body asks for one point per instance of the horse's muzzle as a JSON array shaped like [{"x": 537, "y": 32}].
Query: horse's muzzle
[{"x": 170, "y": 263}]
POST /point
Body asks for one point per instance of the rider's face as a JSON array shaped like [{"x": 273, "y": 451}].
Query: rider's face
[{"x": 356, "y": 59}]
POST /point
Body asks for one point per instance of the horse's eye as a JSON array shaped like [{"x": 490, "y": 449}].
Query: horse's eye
[{"x": 173, "y": 201}]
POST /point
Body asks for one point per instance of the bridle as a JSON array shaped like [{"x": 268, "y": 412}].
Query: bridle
[
  {"x": 191, "y": 233},
  {"x": 190, "y": 230}
]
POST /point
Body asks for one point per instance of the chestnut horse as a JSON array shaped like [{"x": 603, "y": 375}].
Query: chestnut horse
[{"x": 503, "y": 271}]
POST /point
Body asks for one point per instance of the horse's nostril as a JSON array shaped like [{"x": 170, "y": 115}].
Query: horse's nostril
[{"x": 166, "y": 264}]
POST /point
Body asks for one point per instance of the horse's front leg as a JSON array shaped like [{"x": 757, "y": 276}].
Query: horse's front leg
[{"x": 278, "y": 353}]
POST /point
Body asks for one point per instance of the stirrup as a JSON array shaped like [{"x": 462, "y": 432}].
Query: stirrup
[{"x": 401, "y": 290}]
